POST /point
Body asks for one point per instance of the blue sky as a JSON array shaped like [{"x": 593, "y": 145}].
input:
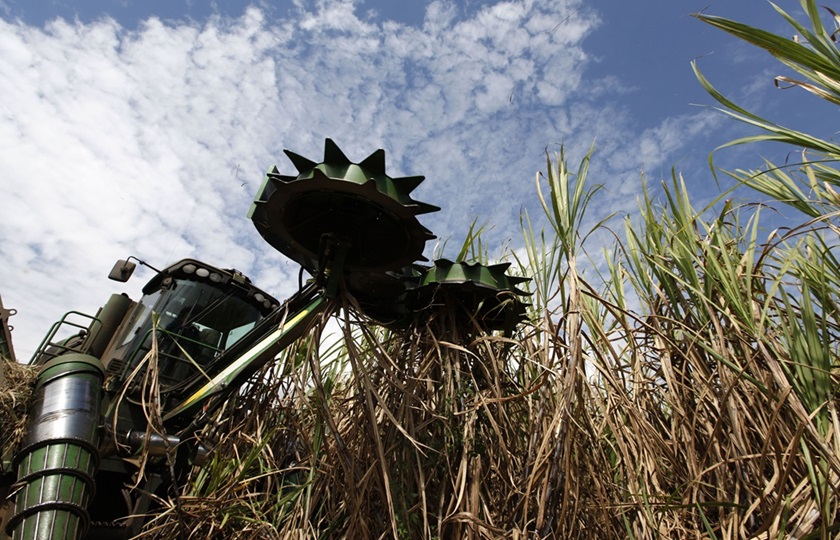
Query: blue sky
[{"x": 144, "y": 128}]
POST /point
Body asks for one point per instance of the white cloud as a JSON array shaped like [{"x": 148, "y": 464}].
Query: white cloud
[
  {"x": 153, "y": 140},
  {"x": 118, "y": 142}
]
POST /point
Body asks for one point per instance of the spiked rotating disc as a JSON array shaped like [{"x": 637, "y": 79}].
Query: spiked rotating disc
[
  {"x": 356, "y": 202},
  {"x": 487, "y": 292}
]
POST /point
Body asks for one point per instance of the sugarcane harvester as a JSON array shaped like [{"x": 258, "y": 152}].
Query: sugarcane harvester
[{"x": 352, "y": 227}]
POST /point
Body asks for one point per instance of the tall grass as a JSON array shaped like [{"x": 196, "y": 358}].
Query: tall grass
[{"x": 687, "y": 389}]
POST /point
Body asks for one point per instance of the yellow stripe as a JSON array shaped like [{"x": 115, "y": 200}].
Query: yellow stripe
[{"x": 238, "y": 364}]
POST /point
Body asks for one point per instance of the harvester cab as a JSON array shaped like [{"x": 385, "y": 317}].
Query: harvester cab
[
  {"x": 191, "y": 312},
  {"x": 199, "y": 333}
]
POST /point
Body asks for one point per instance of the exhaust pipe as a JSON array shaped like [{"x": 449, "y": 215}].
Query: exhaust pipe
[{"x": 59, "y": 454}]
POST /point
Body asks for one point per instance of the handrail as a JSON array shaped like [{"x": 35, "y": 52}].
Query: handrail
[{"x": 46, "y": 343}]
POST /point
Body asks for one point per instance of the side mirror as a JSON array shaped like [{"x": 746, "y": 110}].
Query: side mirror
[{"x": 122, "y": 270}]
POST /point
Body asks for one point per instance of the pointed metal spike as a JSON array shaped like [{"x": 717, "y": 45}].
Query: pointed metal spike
[
  {"x": 501, "y": 267},
  {"x": 427, "y": 233},
  {"x": 273, "y": 170},
  {"x": 319, "y": 174},
  {"x": 333, "y": 154},
  {"x": 375, "y": 162},
  {"x": 407, "y": 184},
  {"x": 301, "y": 163},
  {"x": 425, "y": 208}
]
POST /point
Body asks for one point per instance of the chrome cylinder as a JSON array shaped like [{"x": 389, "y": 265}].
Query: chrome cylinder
[
  {"x": 59, "y": 454},
  {"x": 151, "y": 444}
]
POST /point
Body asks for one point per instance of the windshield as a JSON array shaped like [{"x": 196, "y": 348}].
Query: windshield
[{"x": 193, "y": 322}]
